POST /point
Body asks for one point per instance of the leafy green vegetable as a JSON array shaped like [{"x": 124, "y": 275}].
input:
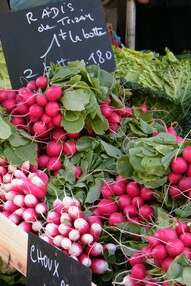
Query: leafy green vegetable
[{"x": 4, "y": 77}]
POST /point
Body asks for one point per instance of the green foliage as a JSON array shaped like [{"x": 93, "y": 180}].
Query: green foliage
[{"x": 4, "y": 77}]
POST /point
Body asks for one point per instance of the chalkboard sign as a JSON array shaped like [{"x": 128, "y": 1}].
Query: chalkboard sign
[
  {"x": 47, "y": 266},
  {"x": 56, "y": 33}
]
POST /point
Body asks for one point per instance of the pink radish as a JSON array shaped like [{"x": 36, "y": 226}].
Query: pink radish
[
  {"x": 54, "y": 149},
  {"x": 58, "y": 206},
  {"x": 75, "y": 249},
  {"x": 106, "y": 110},
  {"x": 137, "y": 202},
  {"x": 68, "y": 202},
  {"x": 137, "y": 258},
  {"x": 26, "y": 227},
  {"x": 85, "y": 260},
  {"x": 57, "y": 240},
  {"x": 146, "y": 212},
  {"x": 74, "y": 212},
  {"x": 65, "y": 218},
  {"x": 46, "y": 238},
  {"x": 181, "y": 228},
  {"x": 37, "y": 226},
  {"x": 159, "y": 252},
  {"x": 94, "y": 219},
  {"x": 110, "y": 248},
  {"x": 52, "y": 109},
  {"x": 51, "y": 230},
  {"x": 146, "y": 194},
  {"x": 66, "y": 243},
  {"x": 57, "y": 120},
  {"x": 96, "y": 230},
  {"x": 107, "y": 190},
  {"x": 119, "y": 187},
  {"x": 95, "y": 249},
  {"x": 41, "y": 209},
  {"x": 69, "y": 148},
  {"x": 53, "y": 217},
  {"x": 41, "y": 100},
  {"x": 58, "y": 134},
  {"x": 43, "y": 161},
  {"x": 130, "y": 211},
  {"x": 42, "y": 82},
  {"x": 87, "y": 238},
  {"x": 106, "y": 207},
  {"x": 30, "y": 201},
  {"x": 125, "y": 112},
  {"x": 165, "y": 265},
  {"x": 10, "y": 195},
  {"x": 54, "y": 93},
  {"x": 114, "y": 118},
  {"x": 186, "y": 239},
  {"x": 74, "y": 235},
  {"x": 133, "y": 189},
  {"x": 46, "y": 119},
  {"x": 7, "y": 178},
  {"x": 39, "y": 129},
  {"x": 35, "y": 112},
  {"x": 54, "y": 164},
  {"x": 9, "y": 207},
  {"x": 73, "y": 135},
  {"x": 77, "y": 172},
  {"x": 166, "y": 234},
  {"x": 99, "y": 266},
  {"x": 9, "y": 104},
  {"x": 179, "y": 165},
  {"x": 16, "y": 219},
  {"x": 124, "y": 201},
  {"x": 174, "y": 248},
  {"x": 138, "y": 272},
  {"x": 187, "y": 154},
  {"x": 19, "y": 200},
  {"x": 64, "y": 229},
  {"x": 185, "y": 184},
  {"x": 29, "y": 215},
  {"x": 81, "y": 225}
]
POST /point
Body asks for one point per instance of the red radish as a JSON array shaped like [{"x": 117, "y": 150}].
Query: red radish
[
  {"x": 106, "y": 110},
  {"x": 58, "y": 206},
  {"x": 119, "y": 187},
  {"x": 41, "y": 100},
  {"x": 179, "y": 165},
  {"x": 3, "y": 171},
  {"x": 51, "y": 230},
  {"x": 9, "y": 104},
  {"x": 81, "y": 225},
  {"x": 30, "y": 201},
  {"x": 106, "y": 207},
  {"x": 146, "y": 194},
  {"x": 9, "y": 207},
  {"x": 99, "y": 266},
  {"x": 166, "y": 263},
  {"x": 42, "y": 82},
  {"x": 187, "y": 154},
  {"x": 171, "y": 131},
  {"x": 75, "y": 249},
  {"x": 181, "y": 228},
  {"x": 29, "y": 215},
  {"x": 10, "y": 196},
  {"x": 107, "y": 190},
  {"x": 35, "y": 112},
  {"x": 166, "y": 234},
  {"x": 22, "y": 109},
  {"x": 124, "y": 201},
  {"x": 19, "y": 212},
  {"x": 57, "y": 120},
  {"x": 3, "y": 95},
  {"x": 94, "y": 219},
  {"x": 73, "y": 135},
  {"x": 31, "y": 85},
  {"x": 138, "y": 272},
  {"x": 146, "y": 212},
  {"x": 96, "y": 230},
  {"x": 39, "y": 129},
  {"x": 133, "y": 189},
  {"x": 174, "y": 248},
  {"x": 66, "y": 243},
  {"x": 137, "y": 202},
  {"x": 85, "y": 260},
  {"x": 16, "y": 219},
  {"x": 54, "y": 149},
  {"x": 174, "y": 192},
  {"x": 19, "y": 200},
  {"x": 77, "y": 172},
  {"x": 110, "y": 248},
  {"x": 57, "y": 240},
  {"x": 53, "y": 217},
  {"x": 37, "y": 226},
  {"x": 186, "y": 239},
  {"x": 130, "y": 211},
  {"x": 137, "y": 258},
  {"x": 114, "y": 118},
  {"x": 189, "y": 171},
  {"x": 46, "y": 238},
  {"x": 69, "y": 148},
  {"x": 87, "y": 238},
  {"x": 41, "y": 208},
  {"x": 68, "y": 202},
  {"x": 95, "y": 249},
  {"x": 26, "y": 227},
  {"x": 74, "y": 235},
  {"x": 46, "y": 119},
  {"x": 185, "y": 184},
  {"x": 64, "y": 229},
  {"x": 20, "y": 174},
  {"x": 54, "y": 164},
  {"x": 58, "y": 134},
  {"x": 53, "y": 93},
  {"x": 174, "y": 178},
  {"x": 43, "y": 161},
  {"x": 52, "y": 109},
  {"x": 116, "y": 218},
  {"x": 159, "y": 252}
]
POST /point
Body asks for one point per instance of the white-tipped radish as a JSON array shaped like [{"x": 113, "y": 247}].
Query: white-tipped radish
[
  {"x": 9, "y": 207},
  {"x": 10, "y": 195},
  {"x": 64, "y": 229},
  {"x": 74, "y": 235},
  {"x": 19, "y": 174},
  {"x": 30, "y": 201},
  {"x": 26, "y": 227},
  {"x": 87, "y": 238},
  {"x": 99, "y": 266},
  {"x": 29, "y": 215},
  {"x": 74, "y": 212},
  {"x": 53, "y": 217},
  {"x": 66, "y": 243},
  {"x": 67, "y": 202},
  {"x": 19, "y": 212},
  {"x": 96, "y": 230},
  {"x": 85, "y": 260},
  {"x": 81, "y": 225},
  {"x": 65, "y": 218},
  {"x": 41, "y": 209},
  {"x": 3, "y": 171},
  {"x": 110, "y": 248},
  {"x": 16, "y": 219},
  {"x": 95, "y": 249},
  {"x": 37, "y": 226},
  {"x": 51, "y": 230},
  {"x": 75, "y": 249},
  {"x": 18, "y": 200},
  {"x": 11, "y": 168},
  {"x": 7, "y": 178},
  {"x": 58, "y": 206},
  {"x": 57, "y": 240}
]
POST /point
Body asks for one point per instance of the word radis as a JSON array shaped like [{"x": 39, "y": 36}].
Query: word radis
[
  {"x": 69, "y": 30},
  {"x": 48, "y": 266}
]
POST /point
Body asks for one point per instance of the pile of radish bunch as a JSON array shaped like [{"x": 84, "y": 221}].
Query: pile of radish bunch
[
  {"x": 68, "y": 229},
  {"x": 114, "y": 115},
  {"x": 22, "y": 196},
  {"x": 163, "y": 247},
  {"x": 180, "y": 176},
  {"x": 125, "y": 201}
]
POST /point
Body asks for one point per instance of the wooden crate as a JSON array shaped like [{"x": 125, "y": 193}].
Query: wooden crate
[{"x": 13, "y": 245}]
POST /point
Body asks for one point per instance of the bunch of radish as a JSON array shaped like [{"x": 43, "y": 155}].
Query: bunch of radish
[
  {"x": 163, "y": 247},
  {"x": 76, "y": 235},
  {"x": 22, "y": 196},
  {"x": 125, "y": 201},
  {"x": 61, "y": 143},
  {"x": 114, "y": 115},
  {"x": 180, "y": 176}
]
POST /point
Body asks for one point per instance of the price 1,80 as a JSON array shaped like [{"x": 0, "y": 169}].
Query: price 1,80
[{"x": 100, "y": 57}]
